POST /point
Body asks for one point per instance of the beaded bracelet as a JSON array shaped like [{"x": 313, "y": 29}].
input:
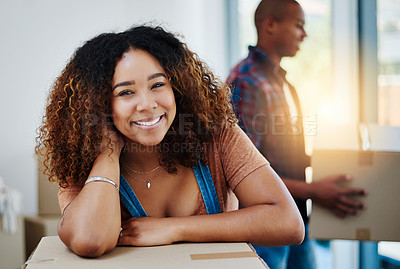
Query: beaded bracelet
[{"x": 91, "y": 179}]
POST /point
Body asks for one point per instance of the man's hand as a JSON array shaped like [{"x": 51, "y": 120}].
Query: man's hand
[{"x": 328, "y": 193}]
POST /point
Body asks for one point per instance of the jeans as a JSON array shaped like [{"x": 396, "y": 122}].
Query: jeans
[{"x": 300, "y": 256}]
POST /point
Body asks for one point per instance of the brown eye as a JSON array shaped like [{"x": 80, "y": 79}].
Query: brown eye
[
  {"x": 124, "y": 93},
  {"x": 160, "y": 84}
]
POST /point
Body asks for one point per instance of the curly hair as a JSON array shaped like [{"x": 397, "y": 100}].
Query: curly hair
[{"x": 79, "y": 105}]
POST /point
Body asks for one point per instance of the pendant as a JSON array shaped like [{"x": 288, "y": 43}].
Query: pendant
[{"x": 148, "y": 184}]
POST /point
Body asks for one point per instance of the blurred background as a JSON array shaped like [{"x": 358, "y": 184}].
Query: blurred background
[{"x": 347, "y": 72}]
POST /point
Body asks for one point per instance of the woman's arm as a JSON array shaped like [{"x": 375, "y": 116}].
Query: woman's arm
[
  {"x": 91, "y": 223},
  {"x": 268, "y": 217}
]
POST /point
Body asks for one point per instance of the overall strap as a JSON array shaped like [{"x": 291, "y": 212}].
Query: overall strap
[
  {"x": 207, "y": 188},
  {"x": 130, "y": 200}
]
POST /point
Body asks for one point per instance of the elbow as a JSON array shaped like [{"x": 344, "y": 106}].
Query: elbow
[
  {"x": 288, "y": 229},
  {"x": 295, "y": 228},
  {"x": 90, "y": 245},
  {"x": 288, "y": 234},
  {"x": 292, "y": 229},
  {"x": 296, "y": 233}
]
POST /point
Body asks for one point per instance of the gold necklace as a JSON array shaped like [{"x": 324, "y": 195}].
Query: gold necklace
[
  {"x": 148, "y": 181},
  {"x": 140, "y": 172}
]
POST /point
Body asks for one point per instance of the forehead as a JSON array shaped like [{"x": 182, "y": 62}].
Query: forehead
[
  {"x": 294, "y": 13},
  {"x": 134, "y": 65},
  {"x": 137, "y": 59}
]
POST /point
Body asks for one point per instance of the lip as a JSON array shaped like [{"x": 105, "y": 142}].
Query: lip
[{"x": 148, "y": 123}]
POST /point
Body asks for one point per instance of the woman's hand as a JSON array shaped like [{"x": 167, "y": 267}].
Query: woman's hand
[
  {"x": 148, "y": 231},
  {"x": 112, "y": 142}
]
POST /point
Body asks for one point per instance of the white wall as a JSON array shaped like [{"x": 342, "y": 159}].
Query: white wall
[{"x": 38, "y": 37}]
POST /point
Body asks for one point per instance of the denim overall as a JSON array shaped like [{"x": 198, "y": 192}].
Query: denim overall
[{"x": 204, "y": 180}]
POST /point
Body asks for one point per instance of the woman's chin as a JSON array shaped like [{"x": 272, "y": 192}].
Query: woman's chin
[
  {"x": 143, "y": 141},
  {"x": 149, "y": 143}
]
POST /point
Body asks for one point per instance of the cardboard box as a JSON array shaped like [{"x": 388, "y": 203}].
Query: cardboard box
[
  {"x": 36, "y": 227},
  {"x": 12, "y": 247},
  {"x": 376, "y": 171},
  {"x": 52, "y": 253},
  {"x": 48, "y": 192}
]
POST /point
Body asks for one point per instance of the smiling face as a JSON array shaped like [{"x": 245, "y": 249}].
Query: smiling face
[{"x": 143, "y": 102}]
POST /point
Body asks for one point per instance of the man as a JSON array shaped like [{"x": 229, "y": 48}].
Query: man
[{"x": 269, "y": 111}]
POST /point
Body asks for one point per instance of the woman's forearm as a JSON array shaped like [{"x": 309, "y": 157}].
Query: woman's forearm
[
  {"x": 91, "y": 223},
  {"x": 264, "y": 224},
  {"x": 268, "y": 225}
]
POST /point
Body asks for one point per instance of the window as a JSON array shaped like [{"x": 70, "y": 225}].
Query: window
[
  {"x": 388, "y": 39},
  {"x": 310, "y": 71},
  {"x": 388, "y": 25}
]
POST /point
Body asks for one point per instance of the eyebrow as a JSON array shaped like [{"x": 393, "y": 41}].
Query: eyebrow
[
  {"x": 132, "y": 82},
  {"x": 303, "y": 21},
  {"x": 156, "y": 75}
]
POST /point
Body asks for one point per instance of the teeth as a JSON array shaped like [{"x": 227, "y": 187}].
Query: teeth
[{"x": 147, "y": 123}]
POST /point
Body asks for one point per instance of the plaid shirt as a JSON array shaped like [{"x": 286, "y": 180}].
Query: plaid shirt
[{"x": 263, "y": 112}]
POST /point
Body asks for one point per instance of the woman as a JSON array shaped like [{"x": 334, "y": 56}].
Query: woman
[{"x": 136, "y": 117}]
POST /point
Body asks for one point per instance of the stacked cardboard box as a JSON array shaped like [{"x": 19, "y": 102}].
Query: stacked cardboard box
[
  {"x": 12, "y": 250},
  {"x": 46, "y": 222},
  {"x": 37, "y": 227}
]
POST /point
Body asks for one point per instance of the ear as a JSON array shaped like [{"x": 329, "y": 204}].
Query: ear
[{"x": 269, "y": 25}]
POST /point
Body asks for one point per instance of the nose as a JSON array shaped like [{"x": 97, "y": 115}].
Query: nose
[
  {"x": 146, "y": 102},
  {"x": 304, "y": 34}
]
